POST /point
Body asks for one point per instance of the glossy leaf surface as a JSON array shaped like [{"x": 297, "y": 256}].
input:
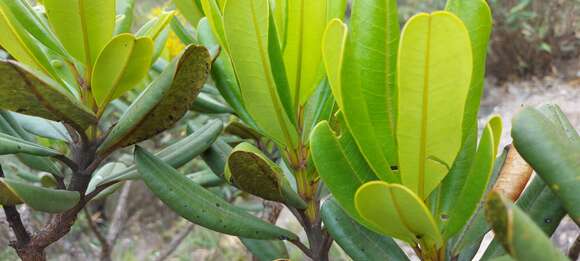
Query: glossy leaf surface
[
  {"x": 477, "y": 180},
  {"x": 340, "y": 165},
  {"x": 122, "y": 64},
  {"x": 246, "y": 29},
  {"x": 517, "y": 232},
  {"x": 397, "y": 212},
  {"x": 555, "y": 158},
  {"x": 434, "y": 72},
  {"x": 83, "y": 26},
  {"x": 357, "y": 241},
  {"x": 199, "y": 205}
]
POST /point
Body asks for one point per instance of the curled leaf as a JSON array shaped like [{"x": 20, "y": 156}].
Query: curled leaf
[
  {"x": 25, "y": 91},
  {"x": 254, "y": 173},
  {"x": 164, "y": 102}
]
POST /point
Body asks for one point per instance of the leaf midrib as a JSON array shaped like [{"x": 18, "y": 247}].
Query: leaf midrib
[
  {"x": 424, "y": 114},
  {"x": 115, "y": 84},
  {"x": 268, "y": 75},
  {"x": 85, "y": 33}
]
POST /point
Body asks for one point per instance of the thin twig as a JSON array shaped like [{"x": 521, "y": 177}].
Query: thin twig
[
  {"x": 95, "y": 230},
  {"x": 302, "y": 247},
  {"x": 120, "y": 214},
  {"x": 15, "y": 221},
  {"x": 68, "y": 162}
]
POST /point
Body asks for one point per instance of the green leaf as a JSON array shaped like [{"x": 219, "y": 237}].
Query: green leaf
[
  {"x": 20, "y": 44},
  {"x": 434, "y": 73},
  {"x": 185, "y": 34},
  {"x": 199, "y": 205},
  {"x": 280, "y": 13},
  {"x": 122, "y": 64},
  {"x": 176, "y": 155},
  {"x": 25, "y": 91},
  {"x": 477, "y": 19},
  {"x": 34, "y": 24},
  {"x": 319, "y": 107},
  {"x": 476, "y": 15},
  {"x": 164, "y": 102},
  {"x": 340, "y": 165},
  {"x": 83, "y": 26},
  {"x": 126, "y": 8},
  {"x": 250, "y": 170},
  {"x": 42, "y": 127},
  {"x": 548, "y": 149},
  {"x": 206, "y": 178},
  {"x": 206, "y": 104},
  {"x": 222, "y": 72},
  {"x": 541, "y": 206},
  {"x": 467, "y": 200},
  {"x": 369, "y": 85},
  {"x": 357, "y": 241},
  {"x": 555, "y": 114},
  {"x": 155, "y": 26},
  {"x": 398, "y": 212},
  {"x": 10, "y": 126},
  {"x": 190, "y": 10},
  {"x": 474, "y": 231},
  {"x": 246, "y": 30},
  {"x": 216, "y": 157},
  {"x": 517, "y": 232},
  {"x": 333, "y": 44},
  {"x": 302, "y": 54},
  {"x": 38, "y": 198},
  {"x": 12, "y": 145},
  {"x": 278, "y": 70},
  {"x": 214, "y": 19},
  {"x": 266, "y": 250}
]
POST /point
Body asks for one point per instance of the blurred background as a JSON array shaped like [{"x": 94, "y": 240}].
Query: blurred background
[{"x": 534, "y": 58}]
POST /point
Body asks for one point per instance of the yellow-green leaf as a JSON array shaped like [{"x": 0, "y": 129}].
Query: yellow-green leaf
[
  {"x": 246, "y": 29},
  {"x": 190, "y": 10},
  {"x": 155, "y": 26},
  {"x": 164, "y": 102},
  {"x": 367, "y": 87},
  {"x": 83, "y": 26},
  {"x": 398, "y": 212},
  {"x": 215, "y": 20},
  {"x": 121, "y": 65},
  {"x": 434, "y": 73},
  {"x": 25, "y": 91},
  {"x": 302, "y": 52},
  {"x": 333, "y": 43},
  {"x": 20, "y": 44}
]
